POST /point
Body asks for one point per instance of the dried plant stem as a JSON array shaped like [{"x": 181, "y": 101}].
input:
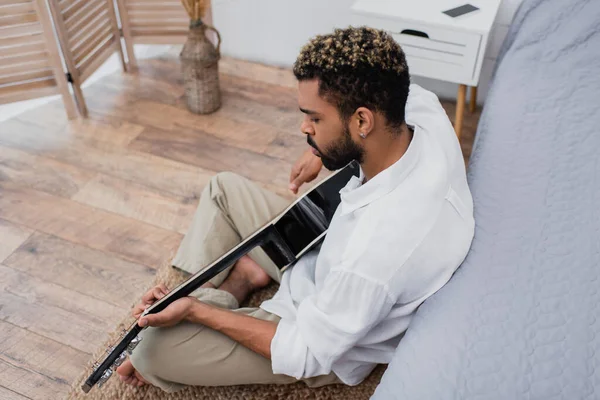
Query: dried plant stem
[
  {"x": 195, "y": 8},
  {"x": 186, "y": 5}
]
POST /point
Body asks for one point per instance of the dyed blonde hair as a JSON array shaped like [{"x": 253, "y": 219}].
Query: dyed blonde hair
[{"x": 358, "y": 67}]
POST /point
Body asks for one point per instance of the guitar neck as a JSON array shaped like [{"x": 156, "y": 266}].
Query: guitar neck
[
  {"x": 259, "y": 238},
  {"x": 284, "y": 239}
]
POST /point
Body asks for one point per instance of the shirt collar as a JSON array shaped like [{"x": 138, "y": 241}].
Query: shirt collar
[{"x": 356, "y": 194}]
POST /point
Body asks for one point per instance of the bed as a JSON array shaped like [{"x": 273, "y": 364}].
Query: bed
[{"x": 520, "y": 319}]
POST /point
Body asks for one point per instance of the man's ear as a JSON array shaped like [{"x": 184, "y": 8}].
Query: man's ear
[{"x": 365, "y": 121}]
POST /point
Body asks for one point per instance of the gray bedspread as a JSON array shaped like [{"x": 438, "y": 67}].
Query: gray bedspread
[{"x": 520, "y": 319}]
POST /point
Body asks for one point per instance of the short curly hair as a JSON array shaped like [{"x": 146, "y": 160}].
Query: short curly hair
[{"x": 358, "y": 67}]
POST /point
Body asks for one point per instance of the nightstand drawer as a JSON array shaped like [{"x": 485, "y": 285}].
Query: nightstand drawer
[{"x": 433, "y": 52}]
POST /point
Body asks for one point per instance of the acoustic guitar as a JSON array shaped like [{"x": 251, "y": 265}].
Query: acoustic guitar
[{"x": 286, "y": 238}]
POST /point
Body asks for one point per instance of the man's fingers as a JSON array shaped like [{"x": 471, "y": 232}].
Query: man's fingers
[
  {"x": 164, "y": 288},
  {"x": 294, "y": 179},
  {"x": 298, "y": 180},
  {"x": 156, "y": 293},
  {"x": 138, "y": 311},
  {"x": 156, "y": 320}
]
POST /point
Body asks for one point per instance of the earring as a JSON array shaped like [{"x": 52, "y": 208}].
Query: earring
[{"x": 362, "y": 135}]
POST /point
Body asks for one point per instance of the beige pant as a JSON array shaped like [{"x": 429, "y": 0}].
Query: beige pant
[{"x": 231, "y": 208}]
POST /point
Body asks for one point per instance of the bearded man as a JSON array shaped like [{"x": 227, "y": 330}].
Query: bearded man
[{"x": 401, "y": 230}]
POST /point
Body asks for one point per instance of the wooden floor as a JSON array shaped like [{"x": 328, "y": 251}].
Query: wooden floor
[{"x": 89, "y": 209}]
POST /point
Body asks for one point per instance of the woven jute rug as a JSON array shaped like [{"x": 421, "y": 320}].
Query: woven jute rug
[{"x": 115, "y": 389}]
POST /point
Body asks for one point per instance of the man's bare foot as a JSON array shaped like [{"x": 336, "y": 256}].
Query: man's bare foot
[
  {"x": 129, "y": 375},
  {"x": 247, "y": 269},
  {"x": 245, "y": 277}
]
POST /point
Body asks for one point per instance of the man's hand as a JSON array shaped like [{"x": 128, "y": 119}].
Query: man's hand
[
  {"x": 306, "y": 168},
  {"x": 156, "y": 293},
  {"x": 172, "y": 315}
]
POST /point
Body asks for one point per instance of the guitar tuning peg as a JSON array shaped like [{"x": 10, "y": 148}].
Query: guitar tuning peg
[
  {"x": 105, "y": 376},
  {"x": 122, "y": 357},
  {"x": 133, "y": 344}
]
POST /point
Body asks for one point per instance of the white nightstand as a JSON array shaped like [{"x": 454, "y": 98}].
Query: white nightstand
[{"x": 436, "y": 45}]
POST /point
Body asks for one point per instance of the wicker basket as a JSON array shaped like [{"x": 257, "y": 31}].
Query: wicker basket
[{"x": 200, "y": 65}]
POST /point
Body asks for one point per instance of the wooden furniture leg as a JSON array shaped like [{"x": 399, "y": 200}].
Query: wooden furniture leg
[
  {"x": 127, "y": 35},
  {"x": 460, "y": 109},
  {"x": 473, "y": 103},
  {"x": 54, "y": 56}
]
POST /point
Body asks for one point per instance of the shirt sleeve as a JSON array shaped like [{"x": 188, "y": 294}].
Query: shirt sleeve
[{"x": 328, "y": 324}]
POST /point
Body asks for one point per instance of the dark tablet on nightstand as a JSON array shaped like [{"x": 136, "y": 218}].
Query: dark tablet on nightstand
[{"x": 460, "y": 10}]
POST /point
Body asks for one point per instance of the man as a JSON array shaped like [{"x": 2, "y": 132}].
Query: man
[{"x": 400, "y": 232}]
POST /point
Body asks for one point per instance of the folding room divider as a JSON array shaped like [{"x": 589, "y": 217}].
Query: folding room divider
[
  {"x": 84, "y": 34},
  {"x": 30, "y": 64}
]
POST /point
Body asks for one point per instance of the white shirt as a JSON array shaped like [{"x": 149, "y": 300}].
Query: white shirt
[{"x": 392, "y": 243}]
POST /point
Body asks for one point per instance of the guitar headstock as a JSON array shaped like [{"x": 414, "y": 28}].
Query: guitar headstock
[{"x": 114, "y": 356}]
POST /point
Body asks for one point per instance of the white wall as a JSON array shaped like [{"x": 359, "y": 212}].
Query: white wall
[{"x": 273, "y": 31}]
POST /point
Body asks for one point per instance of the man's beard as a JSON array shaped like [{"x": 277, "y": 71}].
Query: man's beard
[{"x": 339, "y": 154}]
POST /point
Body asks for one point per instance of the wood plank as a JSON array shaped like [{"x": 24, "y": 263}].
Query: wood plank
[
  {"x": 72, "y": 8},
  {"x": 87, "y": 48},
  {"x": 12, "y": 2},
  {"x": 40, "y": 308},
  {"x": 94, "y": 60},
  {"x": 9, "y": 69},
  {"x": 27, "y": 94},
  {"x": 6, "y": 41},
  {"x": 146, "y": 87},
  {"x": 41, "y": 173},
  {"x": 29, "y": 86},
  {"x": 77, "y": 38},
  {"x": 127, "y": 38},
  {"x": 133, "y": 240},
  {"x": 79, "y": 9},
  {"x": 23, "y": 58},
  {"x": 158, "y": 23},
  {"x": 12, "y": 237},
  {"x": 30, "y": 384},
  {"x": 174, "y": 38},
  {"x": 64, "y": 4},
  {"x": 86, "y": 22},
  {"x": 20, "y": 30},
  {"x": 61, "y": 33},
  {"x": 26, "y": 76},
  {"x": 34, "y": 121},
  {"x": 138, "y": 202},
  {"x": 220, "y": 125},
  {"x": 74, "y": 146},
  {"x": 13, "y": 9},
  {"x": 156, "y": 7},
  {"x": 245, "y": 110},
  {"x": 198, "y": 148},
  {"x": 36, "y": 355},
  {"x": 74, "y": 24},
  {"x": 278, "y": 96},
  {"x": 241, "y": 122},
  {"x": 258, "y": 72},
  {"x": 55, "y": 58},
  {"x": 141, "y": 3},
  {"x": 104, "y": 134},
  {"x": 141, "y": 14},
  {"x": 24, "y": 49},
  {"x": 15, "y": 20},
  {"x": 287, "y": 147},
  {"x": 7, "y": 394},
  {"x": 98, "y": 314},
  {"x": 115, "y": 281},
  {"x": 159, "y": 82}
]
